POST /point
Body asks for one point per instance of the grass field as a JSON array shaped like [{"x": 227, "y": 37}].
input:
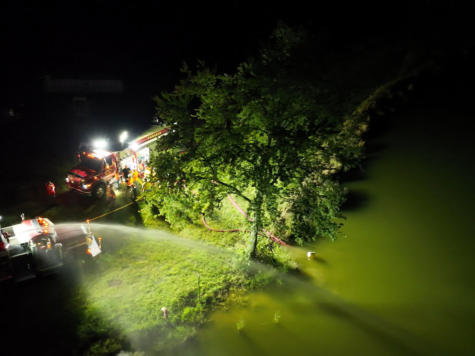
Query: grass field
[
  {"x": 117, "y": 301},
  {"x": 143, "y": 271},
  {"x": 189, "y": 272}
]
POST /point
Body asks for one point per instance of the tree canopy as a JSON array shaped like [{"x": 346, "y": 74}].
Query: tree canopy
[{"x": 268, "y": 133}]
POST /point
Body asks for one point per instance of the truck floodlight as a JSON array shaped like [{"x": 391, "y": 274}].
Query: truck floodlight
[
  {"x": 100, "y": 143},
  {"x": 123, "y": 136}
]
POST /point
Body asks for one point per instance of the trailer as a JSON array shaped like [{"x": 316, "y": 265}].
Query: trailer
[{"x": 36, "y": 247}]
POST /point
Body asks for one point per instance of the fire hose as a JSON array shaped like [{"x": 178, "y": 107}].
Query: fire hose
[
  {"x": 203, "y": 220},
  {"x": 243, "y": 213}
]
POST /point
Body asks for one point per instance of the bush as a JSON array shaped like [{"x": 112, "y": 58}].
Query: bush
[{"x": 108, "y": 346}]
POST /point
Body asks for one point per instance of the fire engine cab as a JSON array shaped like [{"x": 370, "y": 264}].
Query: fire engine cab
[
  {"x": 35, "y": 247},
  {"x": 93, "y": 173}
]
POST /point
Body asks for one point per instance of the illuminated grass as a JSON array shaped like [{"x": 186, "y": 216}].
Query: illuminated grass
[{"x": 133, "y": 283}]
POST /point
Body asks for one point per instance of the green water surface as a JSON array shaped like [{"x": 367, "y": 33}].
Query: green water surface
[{"x": 402, "y": 280}]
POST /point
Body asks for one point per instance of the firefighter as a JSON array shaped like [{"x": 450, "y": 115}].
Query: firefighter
[
  {"x": 51, "y": 189},
  {"x": 132, "y": 185},
  {"x": 135, "y": 178},
  {"x": 125, "y": 174}
]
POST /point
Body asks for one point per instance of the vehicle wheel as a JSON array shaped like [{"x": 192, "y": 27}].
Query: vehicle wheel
[{"x": 99, "y": 190}]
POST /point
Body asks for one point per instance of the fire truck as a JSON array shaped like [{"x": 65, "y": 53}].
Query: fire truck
[
  {"x": 139, "y": 149},
  {"x": 93, "y": 173},
  {"x": 36, "y": 247},
  {"x": 97, "y": 168}
]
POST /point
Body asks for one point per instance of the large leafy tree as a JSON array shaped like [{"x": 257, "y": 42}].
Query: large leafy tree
[{"x": 266, "y": 133}]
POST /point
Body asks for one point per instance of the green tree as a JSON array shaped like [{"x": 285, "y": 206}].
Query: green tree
[{"x": 259, "y": 134}]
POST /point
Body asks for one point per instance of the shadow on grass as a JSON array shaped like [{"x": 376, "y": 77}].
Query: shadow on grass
[
  {"x": 137, "y": 215},
  {"x": 43, "y": 316},
  {"x": 72, "y": 206},
  {"x": 127, "y": 213}
]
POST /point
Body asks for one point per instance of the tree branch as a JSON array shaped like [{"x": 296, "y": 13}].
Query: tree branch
[{"x": 235, "y": 190}]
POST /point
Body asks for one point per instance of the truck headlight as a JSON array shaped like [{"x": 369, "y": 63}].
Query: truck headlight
[
  {"x": 86, "y": 186},
  {"x": 67, "y": 180}
]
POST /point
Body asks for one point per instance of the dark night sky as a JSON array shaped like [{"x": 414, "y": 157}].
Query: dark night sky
[
  {"x": 145, "y": 43},
  {"x": 133, "y": 41}
]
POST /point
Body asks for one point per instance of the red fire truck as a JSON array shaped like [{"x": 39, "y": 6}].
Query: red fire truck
[{"x": 93, "y": 173}]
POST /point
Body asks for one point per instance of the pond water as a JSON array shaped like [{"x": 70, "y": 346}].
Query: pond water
[{"x": 400, "y": 280}]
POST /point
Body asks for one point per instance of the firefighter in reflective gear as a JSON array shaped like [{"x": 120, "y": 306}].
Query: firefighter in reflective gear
[
  {"x": 133, "y": 188},
  {"x": 135, "y": 178}
]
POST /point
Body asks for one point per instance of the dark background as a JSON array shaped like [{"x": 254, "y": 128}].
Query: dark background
[{"x": 143, "y": 45}]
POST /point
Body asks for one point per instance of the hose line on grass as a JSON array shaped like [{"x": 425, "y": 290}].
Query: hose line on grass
[
  {"x": 267, "y": 233},
  {"x": 113, "y": 211},
  {"x": 236, "y": 205}
]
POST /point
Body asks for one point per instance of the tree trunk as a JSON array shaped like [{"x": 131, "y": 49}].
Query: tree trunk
[
  {"x": 253, "y": 241},
  {"x": 256, "y": 225}
]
